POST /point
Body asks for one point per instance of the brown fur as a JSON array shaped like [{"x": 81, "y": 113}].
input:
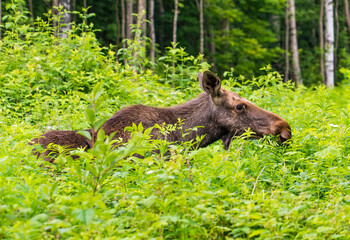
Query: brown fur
[
  {"x": 221, "y": 113},
  {"x": 69, "y": 139}
]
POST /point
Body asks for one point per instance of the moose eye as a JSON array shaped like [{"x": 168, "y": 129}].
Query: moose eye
[{"x": 239, "y": 107}]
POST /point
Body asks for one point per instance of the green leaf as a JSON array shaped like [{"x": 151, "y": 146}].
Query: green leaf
[
  {"x": 140, "y": 127},
  {"x": 90, "y": 116},
  {"x": 84, "y": 215},
  {"x": 148, "y": 131},
  {"x": 100, "y": 100},
  {"x": 85, "y": 134},
  {"x": 97, "y": 90},
  {"x": 256, "y": 233},
  {"x": 99, "y": 123},
  {"x": 82, "y": 95}
]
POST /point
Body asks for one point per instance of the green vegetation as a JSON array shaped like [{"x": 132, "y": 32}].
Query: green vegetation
[
  {"x": 256, "y": 190},
  {"x": 245, "y": 35}
]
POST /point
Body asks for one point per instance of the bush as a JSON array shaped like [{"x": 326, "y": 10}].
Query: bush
[{"x": 256, "y": 190}]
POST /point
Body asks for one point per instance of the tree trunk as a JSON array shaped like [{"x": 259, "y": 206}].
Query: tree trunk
[
  {"x": 123, "y": 28},
  {"x": 201, "y": 23},
  {"x": 175, "y": 20},
  {"x": 129, "y": 21},
  {"x": 30, "y": 6},
  {"x": 294, "y": 44},
  {"x": 320, "y": 25},
  {"x": 347, "y": 14},
  {"x": 141, "y": 8},
  {"x": 123, "y": 22},
  {"x": 66, "y": 17},
  {"x": 74, "y": 7},
  {"x": 117, "y": 21},
  {"x": 329, "y": 43},
  {"x": 336, "y": 33},
  {"x": 54, "y": 14},
  {"x": 152, "y": 33},
  {"x": 85, "y": 6},
  {"x": 286, "y": 72}
]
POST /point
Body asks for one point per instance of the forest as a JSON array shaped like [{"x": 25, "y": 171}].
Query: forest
[
  {"x": 304, "y": 40},
  {"x": 70, "y": 65}
]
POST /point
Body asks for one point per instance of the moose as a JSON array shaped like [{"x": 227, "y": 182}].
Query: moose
[{"x": 221, "y": 114}]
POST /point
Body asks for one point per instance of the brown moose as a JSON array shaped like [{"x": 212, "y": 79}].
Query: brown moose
[{"x": 222, "y": 114}]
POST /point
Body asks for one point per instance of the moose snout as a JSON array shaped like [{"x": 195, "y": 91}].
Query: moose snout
[{"x": 283, "y": 131}]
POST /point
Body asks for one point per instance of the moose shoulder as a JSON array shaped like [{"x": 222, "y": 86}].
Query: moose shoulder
[{"x": 222, "y": 114}]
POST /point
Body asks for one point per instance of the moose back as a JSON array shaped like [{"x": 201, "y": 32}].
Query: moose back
[{"x": 222, "y": 114}]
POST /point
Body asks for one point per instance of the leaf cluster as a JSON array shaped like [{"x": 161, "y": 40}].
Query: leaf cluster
[{"x": 256, "y": 190}]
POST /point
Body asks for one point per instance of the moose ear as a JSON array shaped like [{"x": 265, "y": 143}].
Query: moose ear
[{"x": 210, "y": 83}]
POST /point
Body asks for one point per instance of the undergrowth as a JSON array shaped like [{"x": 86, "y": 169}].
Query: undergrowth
[{"x": 256, "y": 190}]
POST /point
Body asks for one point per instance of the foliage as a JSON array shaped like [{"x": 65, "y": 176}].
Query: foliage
[
  {"x": 178, "y": 68},
  {"x": 243, "y": 34},
  {"x": 256, "y": 190}
]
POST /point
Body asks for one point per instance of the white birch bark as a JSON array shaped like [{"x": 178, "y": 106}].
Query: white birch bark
[
  {"x": 294, "y": 44},
  {"x": 66, "y": 18},
  {"x": 329, "y": 43}
]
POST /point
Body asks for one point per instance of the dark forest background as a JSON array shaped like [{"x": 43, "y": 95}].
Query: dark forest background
[{"x": 240, "y": 36}]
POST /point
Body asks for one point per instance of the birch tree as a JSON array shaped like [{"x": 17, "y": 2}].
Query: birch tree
[
  {"x": 152, "y": 32},
  {"x": 329, "y": 43},
  {"x": 320, "y": 25},
  {"x": 201, "y": 23},
  {"x": 66, "y": 17},
  {"x": 129, "y": 19},
  {"x": 294, "y": 43},
  {"x": 176, "y": 6},
  {"x": 62, "y": 22}
]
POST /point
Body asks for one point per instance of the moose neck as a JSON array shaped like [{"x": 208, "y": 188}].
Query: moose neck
[{"x": 200, "y": 112}]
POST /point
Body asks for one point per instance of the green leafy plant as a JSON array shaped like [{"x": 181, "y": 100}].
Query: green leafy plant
[
  {"x": 256, "y": 190},
  {"x": 177, "y": 68}
]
